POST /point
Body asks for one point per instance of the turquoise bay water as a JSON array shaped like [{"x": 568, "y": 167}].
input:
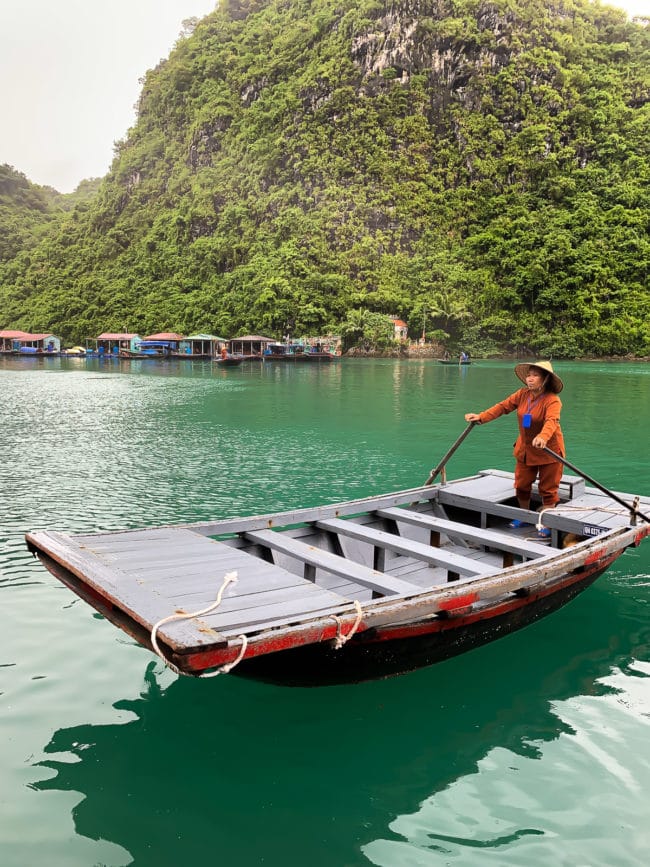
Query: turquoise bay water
[{"x": 532, "y": 750}]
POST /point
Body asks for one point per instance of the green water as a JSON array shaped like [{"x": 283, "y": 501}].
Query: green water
[{"x": 533, "y": 750}]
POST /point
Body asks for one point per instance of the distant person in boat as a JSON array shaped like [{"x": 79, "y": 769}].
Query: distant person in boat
[
  {"x": 446, "y": 356},
  {"x": 464, "y": 357},
  {"x": 224, "y": 352},
  {"x": 538, "y": 413}
]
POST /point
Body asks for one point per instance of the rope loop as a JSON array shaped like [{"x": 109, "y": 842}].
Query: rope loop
[
  {"x": 228, "y": 578},
  {"x": 341, "y": 639}
]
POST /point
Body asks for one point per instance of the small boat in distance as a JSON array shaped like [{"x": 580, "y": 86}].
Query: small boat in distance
[
  {"x": 453, "y": 362},
  {"x": 229, "y": 360},
  {"x": 352, "y": 591}
]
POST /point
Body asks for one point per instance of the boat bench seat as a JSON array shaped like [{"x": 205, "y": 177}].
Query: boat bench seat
[
  {"x": 453, "y": 529},
  {"x": 317, "y": 558},
  {"x": 574, "y": 486},
  {"x": 455, "y": 563},
  {"x": 482, "y": 506}
]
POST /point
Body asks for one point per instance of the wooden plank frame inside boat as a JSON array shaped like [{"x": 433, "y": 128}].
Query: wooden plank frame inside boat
[{"x": 349, "y": 591}]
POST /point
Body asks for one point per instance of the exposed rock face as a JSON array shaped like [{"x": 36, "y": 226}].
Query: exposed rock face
[{"x": 422, "y": 37}]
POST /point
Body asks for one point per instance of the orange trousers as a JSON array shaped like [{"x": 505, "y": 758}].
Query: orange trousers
[{"x": 549, "y": 481}]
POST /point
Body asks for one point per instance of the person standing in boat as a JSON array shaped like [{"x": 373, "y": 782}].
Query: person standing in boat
[{"x": 538, "y": 413}]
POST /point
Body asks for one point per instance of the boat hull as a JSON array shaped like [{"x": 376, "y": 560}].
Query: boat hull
[
  {"x": 379, "y": 652},
  {"x": 383, "y": 653}
]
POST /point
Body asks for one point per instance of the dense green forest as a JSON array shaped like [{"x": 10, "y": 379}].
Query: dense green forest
[
  {"x": 28, "y": 211},
  {"x": 478, "y": 167}
]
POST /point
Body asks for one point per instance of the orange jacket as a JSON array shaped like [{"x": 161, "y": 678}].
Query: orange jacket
[{"x": 545, "y": 421}]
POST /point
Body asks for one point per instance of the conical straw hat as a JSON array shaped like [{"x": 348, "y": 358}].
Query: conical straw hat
[{"x": 554, "y": 383}]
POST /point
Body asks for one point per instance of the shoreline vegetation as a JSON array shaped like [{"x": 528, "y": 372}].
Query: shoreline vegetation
[{"x": 435, "y": 352}]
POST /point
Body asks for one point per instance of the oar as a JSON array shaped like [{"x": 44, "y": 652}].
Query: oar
[
  {"x": 441, "y": 465},
  {"x": 596, "y": 484}
]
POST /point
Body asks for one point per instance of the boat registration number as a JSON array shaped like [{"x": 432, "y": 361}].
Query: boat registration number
[{"x": 589, "y": 530}]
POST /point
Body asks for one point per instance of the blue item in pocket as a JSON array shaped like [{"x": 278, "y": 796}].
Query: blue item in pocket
[{"x": 526, "y": 419}]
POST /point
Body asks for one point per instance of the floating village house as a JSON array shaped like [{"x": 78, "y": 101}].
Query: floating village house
[
  {"x": 30, "y": 344},
  {"x": 251, "y": 345},
  {"x": 202, "y": 345},
  {"x": 10, "y": 340},
  {"x": 167, "y": 341},
  {"x": 110, "y": 343}
]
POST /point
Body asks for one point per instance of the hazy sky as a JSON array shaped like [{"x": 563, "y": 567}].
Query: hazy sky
[{"x": 69, "y": 73}]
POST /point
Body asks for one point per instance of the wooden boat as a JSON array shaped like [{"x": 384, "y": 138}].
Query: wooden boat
[
  {"x": 150, "y": 353},
  {"x": 230, "y": 360},
  {"x": 347, "y": 592},
  {"x": 454, "y": 362}
]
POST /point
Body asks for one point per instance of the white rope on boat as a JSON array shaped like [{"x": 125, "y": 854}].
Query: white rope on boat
[
  {"x": 539, "y": 525},
  {"x": 228, "y": 578},
  {"x": 341, "y": 639},
  {"x": 224, "y": 669},
  {"x": 563, "y": 508}
]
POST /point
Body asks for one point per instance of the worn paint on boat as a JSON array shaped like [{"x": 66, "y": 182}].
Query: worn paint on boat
[{"x": 402, "y": 579}]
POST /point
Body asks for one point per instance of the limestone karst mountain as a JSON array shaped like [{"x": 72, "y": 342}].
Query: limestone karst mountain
[{"x": 482, "y": 164}]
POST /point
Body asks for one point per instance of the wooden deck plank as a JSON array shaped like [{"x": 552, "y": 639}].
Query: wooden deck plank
[
  {"x": 595, "y": 509},
  {"x": 487, "y": 487},
  {"x": 380, "y": 581},
  {"x": 406, "y": 547},
  {"x": 452, "y": 529},
  {"x": 233, "y": 598},
  {"x": 289, "y": 610},
  {"x": 126, "y": 539},
  {"x": 252, "y": 578}
]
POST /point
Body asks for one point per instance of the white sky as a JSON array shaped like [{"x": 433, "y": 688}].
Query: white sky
[{"x": 69, "y": 73}]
